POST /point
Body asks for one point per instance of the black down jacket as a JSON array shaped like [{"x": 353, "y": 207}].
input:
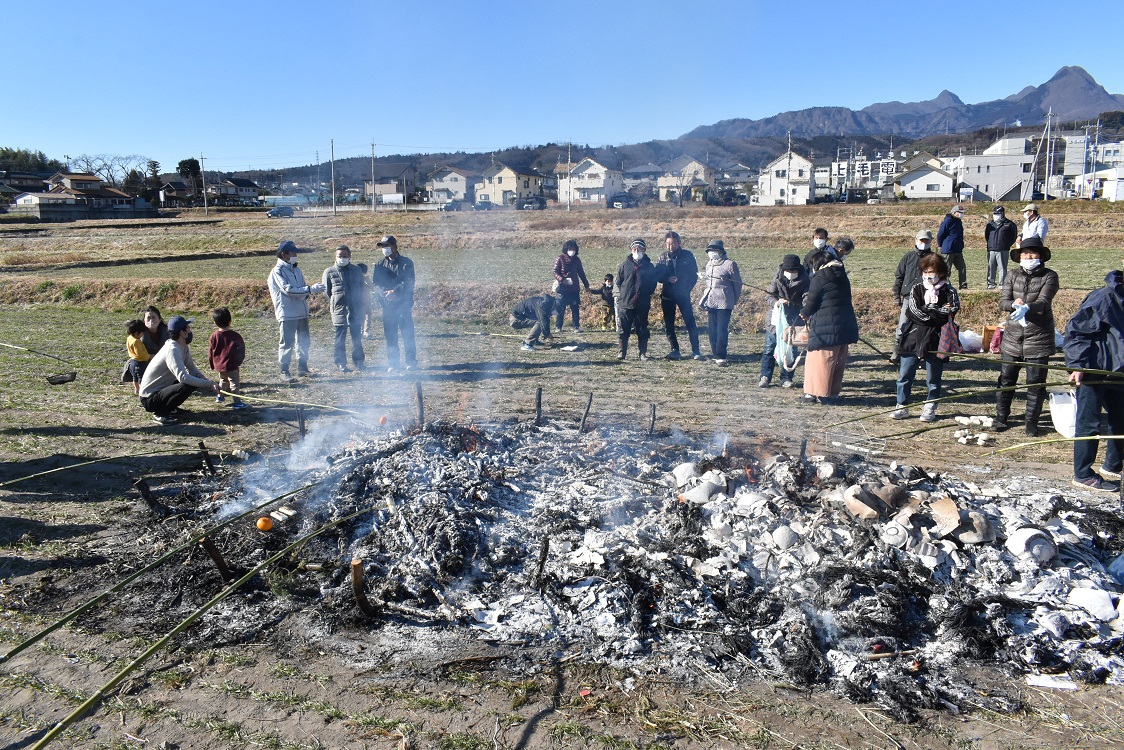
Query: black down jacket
[
  {"x": 1037, "y": 289},
  {"x": 829, "y": 310}
]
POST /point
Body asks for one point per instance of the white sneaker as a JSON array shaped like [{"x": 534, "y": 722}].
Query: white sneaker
[
  {"x": 902, "y": 413},
  {"x": 763, "y": 382},
  {"x": 929, "y": 413}
]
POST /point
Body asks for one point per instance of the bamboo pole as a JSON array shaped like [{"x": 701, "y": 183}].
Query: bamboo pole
[
  {"x": 244, "y": 397},
  {"x": 87, "y": 463},
  {"x": 98, "y": 696},
  {"x": 193, "y": 540},
  {"x": 966, "y": 394},
  {"x": 1033, "y": 443},
  {"x": 984, "y": 358}
]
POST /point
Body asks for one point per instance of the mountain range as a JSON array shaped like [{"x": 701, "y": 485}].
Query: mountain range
[{"x": 1072, "y": 93}]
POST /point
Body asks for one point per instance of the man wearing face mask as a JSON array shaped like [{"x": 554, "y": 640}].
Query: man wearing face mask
[
  {"x": 568, "y": 272},
  {"x": 1094, "y": 340},
  {"x": 1028, "y": 294},
  {"x": 394, "y": 279},
  {"x": 789, "y": 287},
  {"x": 999, "y": 234},
  {"x": 679, "y": 273},
  {"x": 905, "y": 278},
  {"x": 290, "y": 296},
  {"x": 1034, "y": 225},
  {"x": 636, "y": 281},
  {"x": 819, "y": 244},
  {"x": 950, "y": 237},
  {"x": 171, "y": 376},
  {"x": 345, "y": 286}
]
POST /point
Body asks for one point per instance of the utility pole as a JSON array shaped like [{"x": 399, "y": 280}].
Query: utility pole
[
  {"x": 788, "y": 173},
  {"x": 203, "y": 174},
  {"x": 1049, "y": 153},
  {"x": 317, "y": 176},
  {"x": 569, "y": 175},
  {"x": 372, "y": 178},
  {"x": 333, "y": 153}
]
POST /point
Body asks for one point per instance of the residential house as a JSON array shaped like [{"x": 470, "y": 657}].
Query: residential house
[
  {"x": 449, "y": 183},
  {"x": 789, "y": 180},
  {"x": 80, "y": 196},
  {"x": 234, "y": 191},
  {"x": 925, "y": 182},
  {"x": 390, "y": 178},
  {"x": 589, "y": 182},
  {"x": 22, "y": 182},
  {"x": 685, "y": 179},
  {"x": 1003, "y": 172},
  {"x": 176, "y": 193},
  {"x": 504, "y": 184}
]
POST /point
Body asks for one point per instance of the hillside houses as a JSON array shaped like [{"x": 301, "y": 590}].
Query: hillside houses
[
  {"x": 788, "y": 180},
  {"x": 389, "y": 178},
  {"x": 684, "y": 180},
  {"x": 70, "y": 196},
  {"x": 446, "y": 184},
  {"x": 504, "y": 184},
  {"x": 589, "y": 182},
  {"x": 234, "y": 191}
]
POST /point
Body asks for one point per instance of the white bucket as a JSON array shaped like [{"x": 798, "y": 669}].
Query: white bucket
[{"x": 1063, "y": 412}]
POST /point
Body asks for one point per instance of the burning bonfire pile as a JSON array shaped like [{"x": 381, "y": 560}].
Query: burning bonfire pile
[{"x": 884, "y": 583}]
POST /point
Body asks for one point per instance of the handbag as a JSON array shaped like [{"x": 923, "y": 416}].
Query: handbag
[
  {"x": 796, "y": 335},
  {"x": 950, "y": 340}
]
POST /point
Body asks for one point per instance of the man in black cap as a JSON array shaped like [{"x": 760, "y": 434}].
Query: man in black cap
[
  {"x": 393, "y": 278},
  {"x": 171, "y": 375},
  {"x": 533, "y": 313},
  {"x": 999, "y": 234},
  {"x": 636, "y": 281},
  {"x": 679, "y": 273}
]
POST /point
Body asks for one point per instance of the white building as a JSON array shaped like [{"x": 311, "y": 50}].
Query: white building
[
  {"x": 789, "y": 180},
  {"x": 447, "y": 184},
  {"x": 925, "y": 182},
  {"x": 589, "y": 182},
  {"x": 1003, "y": 172}
]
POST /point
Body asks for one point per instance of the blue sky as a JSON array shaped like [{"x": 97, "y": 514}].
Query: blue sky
[{"x": 265, "y": 85}]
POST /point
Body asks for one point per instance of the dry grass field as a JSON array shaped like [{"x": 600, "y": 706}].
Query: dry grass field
[{"x": 68, "y": 289}]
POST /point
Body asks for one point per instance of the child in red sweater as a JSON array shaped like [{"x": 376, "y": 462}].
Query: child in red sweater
[{"x": 227, "y": 351}]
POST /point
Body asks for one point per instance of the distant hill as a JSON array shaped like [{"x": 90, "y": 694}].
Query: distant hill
[{"x": 1072, "y": 93}]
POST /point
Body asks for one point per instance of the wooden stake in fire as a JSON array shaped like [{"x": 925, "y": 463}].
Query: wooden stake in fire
[
  {"x": 585, "y": 414},
  {"x": 652, "y": 423},
  {"x": 358, "y": 590},
  {"x": 154, "y": 505},
  {"x": 421, "y": 403},
  {"x": 207, "y": 458},
  {"x": 300, "y": 420},
  {"x": 216, "y": 556},
  {"x": 538, "y": 406}
]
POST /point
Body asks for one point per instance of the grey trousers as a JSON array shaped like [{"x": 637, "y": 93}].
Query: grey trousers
[
  {"x": 294, "y": 334},
  {"x": 996, "y": 268}
]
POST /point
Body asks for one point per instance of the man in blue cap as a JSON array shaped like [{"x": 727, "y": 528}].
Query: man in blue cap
[
  {"x": 171, "y": 375},
  {"x": 290, "y": 294}
]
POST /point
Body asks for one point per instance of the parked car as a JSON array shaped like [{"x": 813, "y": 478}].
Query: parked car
[
  {"x": 873, "y": 201},
  {"x": 280, "y": 212},
  {"x": 621, "y": 200},
  {"x": 533, "y": 203},
  {"x": 454, "y": 205},
  {"x": 482, "y": 206}
]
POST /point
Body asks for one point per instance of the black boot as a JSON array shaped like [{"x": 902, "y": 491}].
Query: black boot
[
  {"x": 1034, "y": 400},
  {"x": 1002, "y": 409}
]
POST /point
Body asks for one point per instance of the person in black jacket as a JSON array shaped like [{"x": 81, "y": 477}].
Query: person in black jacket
[
  {"x": 907, "y": 275},
  {"x": 393, "y": 278},
  {"x": 679, "y": 273},
  {"x": 568, "y": 272},
  {"x": 999, "y": 234},
  {"x": 928, "y": 306},
  {"x": 788, "y": 287},
  {"x": 832, "y": 325},
  {"x": 636, "y": 281},
  {"x": 1094, "y": 340},
  {"x": 950, "y": 237},
  {"x": 607, "y": 305},
  {"x": 533, "y": 313}
]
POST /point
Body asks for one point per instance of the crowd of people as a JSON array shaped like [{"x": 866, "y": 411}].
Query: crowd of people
[{"x": 811, "y": 309}]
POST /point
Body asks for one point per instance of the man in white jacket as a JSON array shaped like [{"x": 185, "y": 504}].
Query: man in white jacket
[
  {"x": 290, "y": 296},
  {"x": 171, "y": 376}
]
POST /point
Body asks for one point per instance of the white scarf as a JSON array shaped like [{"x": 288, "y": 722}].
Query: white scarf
[{"x": 932, "y": 292}]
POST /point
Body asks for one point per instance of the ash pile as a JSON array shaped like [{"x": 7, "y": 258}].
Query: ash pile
[{"x": 884, "y": 583}]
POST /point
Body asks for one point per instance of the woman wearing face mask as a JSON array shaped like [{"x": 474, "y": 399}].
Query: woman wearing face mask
[
  {"x": 568, "y": 272},
  {"x": 155, "y": 331},
  {"x": 723, "y": 287},
  {"x": 832, "y": 326},
  {"x": 789, "y": 287},
  {"x": 1028, "y": 336},
  {"x": 928, "y": 306}
]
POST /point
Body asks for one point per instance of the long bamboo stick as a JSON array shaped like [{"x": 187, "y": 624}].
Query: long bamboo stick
[
  {"x": 983, "y": 358},
  {"x": 98, "y": 696},
  {"x": 1017, "y": 446},
  {"x": 87, "y": 463},
  {"x": 966, "y": 394},
  {"x": 151, "y": 566},
  {"x": 244, "y": 397}
]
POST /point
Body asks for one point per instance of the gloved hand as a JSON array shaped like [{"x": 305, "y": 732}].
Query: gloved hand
[
  {"x": 1019, "y": 312},
  {"x": 568, "y": 280},
  {"x": 317, "y": 288}
]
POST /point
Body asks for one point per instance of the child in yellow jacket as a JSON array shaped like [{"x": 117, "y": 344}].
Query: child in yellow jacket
[{"x": 138, "y": 354}]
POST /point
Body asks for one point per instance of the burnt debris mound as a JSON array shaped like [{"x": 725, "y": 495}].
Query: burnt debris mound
[{"x": 882, "y": 583}]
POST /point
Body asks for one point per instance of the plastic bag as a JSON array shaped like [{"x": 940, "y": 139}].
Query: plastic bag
[
  {"x": 971, "y": 341},
  {"x": 996, "y": 341},
  {"x": 1063, "y": 412}
]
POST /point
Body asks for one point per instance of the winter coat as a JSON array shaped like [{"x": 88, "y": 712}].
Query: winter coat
[
  {"x": 723, "y": 285},
  {"x": 792, "y": 292},
  {"x": 950, "y": 236},
  {"x": 345, "y": 288},
  {"x": 923, "y": 322},
  {"x": 1094, "y": 336},
  {"x": 682, "y": 265},
  {"x": 635, "y": 283},
  {"x": 829, "y": 310},
  {"x": 537, "y": 309},
  {"x": 394, "y": 274},
  {"x": 1037, "y": 289},
  {"x": 288, "y": 292},
  {"x": 1000, "y": 235},
  {"x": 569, "y": 268},
  {"x": 908, "y": 273}
]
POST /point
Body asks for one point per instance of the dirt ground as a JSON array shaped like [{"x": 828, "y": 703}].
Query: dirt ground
[{"x": 286, "y": 686}]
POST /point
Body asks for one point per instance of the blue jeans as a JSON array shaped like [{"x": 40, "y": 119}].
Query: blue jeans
[
  {"x": 684, "y": 305},
  {"x": 355, "y": 327},
  {"x": 768, "y": 363},
  {"x": 718, "y": 331},
  {"x": 934, "y": 369},
  {"x": 1091, "y": 399}
]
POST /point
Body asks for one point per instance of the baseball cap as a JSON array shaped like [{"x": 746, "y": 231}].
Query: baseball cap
[
  {"x": 178, "y": 323},
  {"x": 388, "y": 241},
  {"x": 924, "y": 234}
]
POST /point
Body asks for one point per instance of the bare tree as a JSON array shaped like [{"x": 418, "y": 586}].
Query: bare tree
[{"x": 112, "y": 168}]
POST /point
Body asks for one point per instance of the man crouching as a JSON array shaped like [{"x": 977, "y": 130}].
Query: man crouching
[
  {"x": 533, "y": 313},
  {"x": 172, "y": 376}
]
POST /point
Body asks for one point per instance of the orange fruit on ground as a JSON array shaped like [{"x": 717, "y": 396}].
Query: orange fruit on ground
[
  {"x": 265, "y": 524},
  {"x": 382, "y": 419}
]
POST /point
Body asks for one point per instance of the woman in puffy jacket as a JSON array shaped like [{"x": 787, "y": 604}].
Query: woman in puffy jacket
[
  {"x": 723, "y": 287},
  {"x": 1028, "y": 293},
  {"x": 928, "y": 306},
  {"x": 832, "y": 325}
]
